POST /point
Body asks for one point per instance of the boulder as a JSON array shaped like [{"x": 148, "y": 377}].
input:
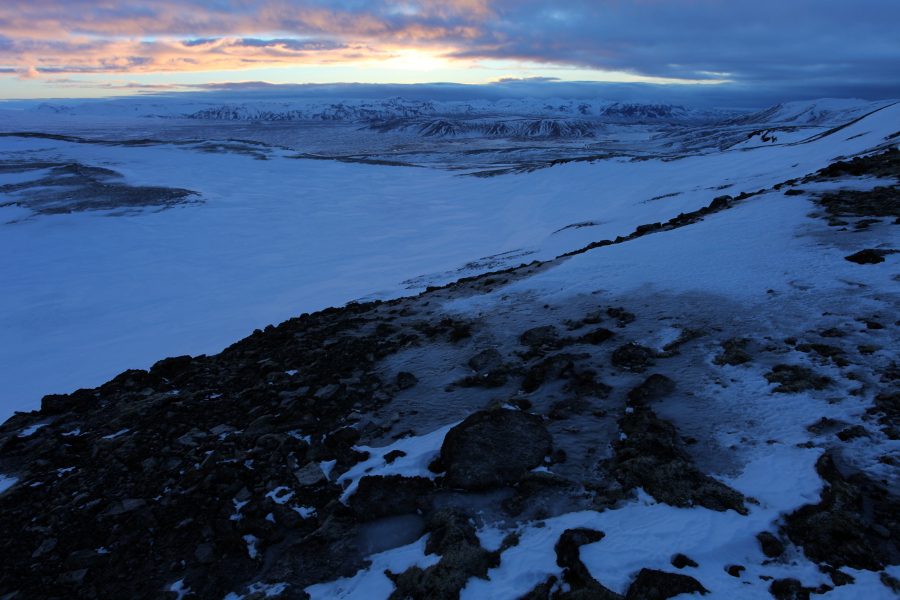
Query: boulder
[{"x": 494, "y": 448}]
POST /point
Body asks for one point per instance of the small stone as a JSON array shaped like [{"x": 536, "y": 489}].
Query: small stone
[
  {"x": 393, "y": 455},
  {"x": 881, "y": 530},
  {"x": 869, "y": 256},
  {"x": 487, "y": 359},
  {"x": 311, "y": 474},
  {"x": 406, "y": 380},
  {"x": 771, "y": 545},
  {"x": 680, "y": 561},
  {"x": 539, "y": 336},
  {"x": 46, "y": 546},
  {"x": 854, "y": 432},
  {"x": 735, "y": 570},
  {"x": 659, "y": 585},
  {"x": 205, "y": 554}
]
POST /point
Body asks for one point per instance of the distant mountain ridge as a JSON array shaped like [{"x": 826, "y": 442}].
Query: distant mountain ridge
[{"x": 368, "y": 111}]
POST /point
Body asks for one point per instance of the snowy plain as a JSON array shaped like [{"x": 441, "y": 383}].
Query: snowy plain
[{"x": 90, "y": 294}]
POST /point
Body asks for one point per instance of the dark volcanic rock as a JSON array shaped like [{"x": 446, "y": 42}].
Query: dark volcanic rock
[
  {"x": 580, "y": 585},
  {"x": 790, "y": 589},
  {"x": 869, "y": 256},
  {"x": 838, "y": 531},
  {"x": 406, "y": 380},
  {"x": 492, "y": 448},
  {"x": 771, "y": 545},
  {"x": 597, "y": 336},
  {"x": 633, "y": 357},
  {"x": 462, "y": 557},
  {"x": 568, "y": 407},
  {"x": 735, "y": 352},
  {"x": 680, "y": 561},
  {"x": 654, "y": 387},
  {"x": 486, "y": 359},
  {"x": 659, "y": 585},
  {"x": 651, "y": 456},
  {"x": 539, "y": 336},
  {"x": 793, "y": 379},
  {"x": 153, "y": 464},
  {"x": 568, "y": 555},
  {"x": 392, "y": 495},
  {"x": 549, "y": 369}
]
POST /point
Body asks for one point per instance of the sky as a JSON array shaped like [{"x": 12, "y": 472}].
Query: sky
[{"x": 704, "y": 52}]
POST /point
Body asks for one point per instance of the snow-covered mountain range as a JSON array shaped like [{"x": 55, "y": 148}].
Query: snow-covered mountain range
[{"x": 365, "y": 111}]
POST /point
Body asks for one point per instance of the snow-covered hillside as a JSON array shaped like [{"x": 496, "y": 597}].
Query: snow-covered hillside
[
  {"x": 826, "y": 112},
  {"x": 685, "y": 372}
]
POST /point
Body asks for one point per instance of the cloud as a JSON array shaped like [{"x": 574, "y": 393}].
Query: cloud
[
  {"x": 28, "y": 73},
  {"x": 814, "y": 44}
]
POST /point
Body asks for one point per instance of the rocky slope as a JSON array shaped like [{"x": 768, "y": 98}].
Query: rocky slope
[{"x": 267, "y": 469}]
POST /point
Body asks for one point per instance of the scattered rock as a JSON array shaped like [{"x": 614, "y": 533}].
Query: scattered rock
[
  {"x": 735, "y": 352},
  {"x": 566, "y": 408},
  {"x": 650, "y": 456},
  {"x": 857, "y": 431},
  {"x": 654, "y": 387},
  {"x": 659, "y": 585},
  {"x": 869, "y": 256},
  {"x": 452, "y": 538},
  {"x": 406, "y": 380},
  {"x": 311, "y": 474},
  {"x": 771, "y": 545},
  {"x": 633, "y": 357},
  {"x": 539, "y": 336},
  {"x": 393, "y": 455},
  {"x": 680, "y": 561},
  {"x": 549, "y": 369},
  {"x": 834, "y": 332},
  {"x": 392, "y": 495},
  {"x": 486, "y": 359},
  {"x": 793, "y": 379},
  {"x": 834, "y": 531},
  {"x": 596, "y": 337},
  {"x": 492, "y": 448},
  {"x": 735, "y": 570}
]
